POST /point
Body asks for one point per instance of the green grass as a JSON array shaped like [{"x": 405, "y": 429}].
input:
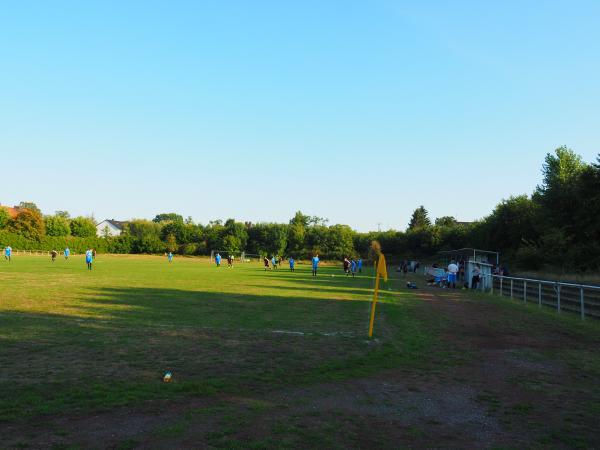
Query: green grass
[{"x": 79, "y": 340}]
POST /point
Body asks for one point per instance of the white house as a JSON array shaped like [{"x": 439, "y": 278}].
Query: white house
[{"x": 109, "y": 228}]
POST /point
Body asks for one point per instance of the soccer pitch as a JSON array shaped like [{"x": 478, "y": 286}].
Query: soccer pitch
[{"x": 275, "y": 359}]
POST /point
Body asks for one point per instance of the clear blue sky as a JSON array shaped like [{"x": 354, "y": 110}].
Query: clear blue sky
[{"x": 352, "y": 110}]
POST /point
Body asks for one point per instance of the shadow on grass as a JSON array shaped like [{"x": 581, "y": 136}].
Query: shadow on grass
[{"x": 115, "y": 351}]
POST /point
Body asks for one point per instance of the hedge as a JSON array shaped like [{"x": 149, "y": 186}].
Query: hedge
[{"x": 120, "y": 244}]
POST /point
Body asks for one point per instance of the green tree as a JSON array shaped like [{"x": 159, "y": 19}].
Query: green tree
[
  {"x": 419, "y": 219},
  {"x": 4, "y": 217},
  {"x": 316, "y": 239},
  {"x": 29, "y": 224},
  {"x": 57, "y": 226},
  {"x": 512, "y": 224},
  {"x": 446, "y": 221},
  {"x": 83, "y": 227},
  {"x": 339, "y": 242},
  {"x": 179, "y": 230},
  {"x": 231, "y": 243},
  {"x": 558, "y": 192},
  {"x": 30, "y": 205},
  {"x": 239, "y": 232},
  {"x": 64, "y": 214},
  {"x": 295, "y": 239},
  {"x": 171, "y": 243},
  {"x": 300, "y": 219},
  {"x": 165, "y": 217}
]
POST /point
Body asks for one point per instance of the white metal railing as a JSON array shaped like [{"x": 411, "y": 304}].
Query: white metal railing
[
  {"x": 37, "y": 252},
  {"x": 575, "y": 294}
]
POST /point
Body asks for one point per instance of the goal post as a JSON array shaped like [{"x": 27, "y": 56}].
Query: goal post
[{"x": 237, "y": 256}]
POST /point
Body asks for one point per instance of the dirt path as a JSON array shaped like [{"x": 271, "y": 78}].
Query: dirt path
[{"x": 517, "y": 385}]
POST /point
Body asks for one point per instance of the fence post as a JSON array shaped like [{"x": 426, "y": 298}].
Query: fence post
[
  {"x": 524, "y": 291},
  {"x": 540, "y": 295},
  {"x": 582, "y": 303},
  {"x": 501, "y": 289},
  {"x": 511, "y": 287},
  {"x": 492, "y": 287},
  {"x": 558, "y": 297}
]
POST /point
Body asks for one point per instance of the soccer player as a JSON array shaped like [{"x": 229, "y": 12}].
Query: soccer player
[
  {"x": 229, "y": 261},
  {"x": 315, "y": 264},
  {"x": 274, "y": 262},
  {"x": 89, "y": 258},
  {"x": 452, "y": 271},
  {"x": 359, "y": 263},
  {"x": 266, "y": 263},
  {"x": 53, "y": 254},
  {"x": 353, "y": 267},
  {"x": 67, "y": 252},
  {"x": 170, "y": 256},
  {"x": 7, "y": 252},
  {"x": 346, "y": 266},
  {"x": 218, "y": 260},
  {"x": 292, "y": 263}
]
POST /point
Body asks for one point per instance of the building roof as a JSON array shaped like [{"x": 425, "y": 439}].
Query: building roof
[
  {"x": 115, "y": 223},
  {"x": 12, "y": 212}
]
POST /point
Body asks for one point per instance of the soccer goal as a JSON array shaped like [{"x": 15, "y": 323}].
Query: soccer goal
[{"x": 237, "y": 256}]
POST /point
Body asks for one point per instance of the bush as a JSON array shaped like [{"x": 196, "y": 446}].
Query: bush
[
  {"x": 148, "y": 244},
  {"x": 188, "y": 249},
  {"x": 83, "y": 227},
  {"x": 529, "y": 257},
  {"x": 120, "y": 244},
  {"x": 48, "y": 243}
]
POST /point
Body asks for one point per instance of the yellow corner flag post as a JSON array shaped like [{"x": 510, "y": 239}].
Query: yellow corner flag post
[{"x": 381, "y": 271}]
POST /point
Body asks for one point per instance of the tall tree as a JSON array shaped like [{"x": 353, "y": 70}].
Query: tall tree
[
  {"x": 446, "y": 221},
  {"x": 83, "y": 227},
  {"x": 419, "y": 219},
  {"x": 165, "y": 217},
  {"x": 57, "y": 226},
  {"x": 28, "y": 223},
  {"x": 30, "y": 205},
  {"x": 558, "y": 192},
  {"x": 4, "y": 217},
  {"x": 64, "y": 214}
]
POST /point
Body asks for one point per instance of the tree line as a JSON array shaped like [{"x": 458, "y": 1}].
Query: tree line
[{"x": 557, "y": 225}]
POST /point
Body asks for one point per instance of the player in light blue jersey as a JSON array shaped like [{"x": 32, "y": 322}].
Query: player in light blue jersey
[
  {"x": 315, "y": 264},
  {"x": 89, "y": 259},
  {"x": 8, "y": 252},
  {"x": 292, "y": 263},
  {"x": 67, "y": 252}
]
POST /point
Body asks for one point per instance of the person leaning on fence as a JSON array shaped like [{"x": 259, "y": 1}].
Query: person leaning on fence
[{"x": 476, "y": 276}]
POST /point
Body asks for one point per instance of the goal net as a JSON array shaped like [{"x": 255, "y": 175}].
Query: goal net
[{"x": 237, "y": 256}]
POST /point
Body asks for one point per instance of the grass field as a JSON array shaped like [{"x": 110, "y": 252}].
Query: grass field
[{"x": 280, "y": 360}]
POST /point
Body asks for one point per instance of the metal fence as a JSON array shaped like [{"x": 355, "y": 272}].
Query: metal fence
[
  {"x": 576, "y": 298},
  {"x": 36, "y": 252}
]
